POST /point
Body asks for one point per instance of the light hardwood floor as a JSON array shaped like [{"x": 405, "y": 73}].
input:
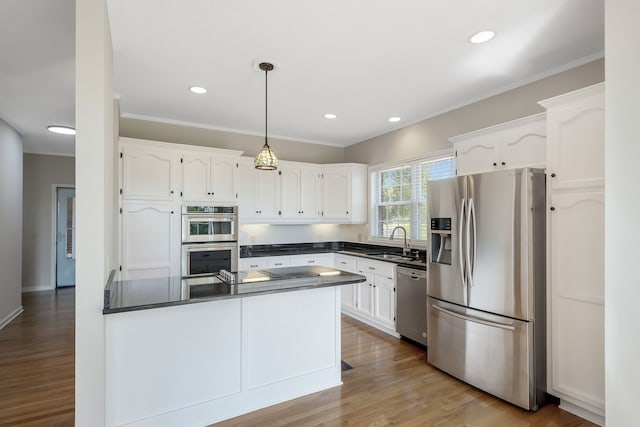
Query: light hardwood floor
[
  {"x": 37, "y": 362},
  {"x": 390, "y": 385}
]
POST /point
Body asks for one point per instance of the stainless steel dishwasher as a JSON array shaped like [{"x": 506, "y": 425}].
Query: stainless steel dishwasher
[{"x": 411, "y": 317}]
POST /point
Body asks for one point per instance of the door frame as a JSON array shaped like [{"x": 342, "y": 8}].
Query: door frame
[{"x": 54, "y": 226}]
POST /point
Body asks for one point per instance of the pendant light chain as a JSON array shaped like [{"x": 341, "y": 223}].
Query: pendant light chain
[{"x": 266, "y": 106}]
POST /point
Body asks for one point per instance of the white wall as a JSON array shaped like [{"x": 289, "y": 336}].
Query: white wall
[
  {"x": 10, "y": 223},
  {"x": 94, "y": 195},
  {"x": 41, "y": 172},
  {"x": 622, "y": 204}
]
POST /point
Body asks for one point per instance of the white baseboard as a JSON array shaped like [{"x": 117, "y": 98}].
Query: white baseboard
[
  {"x": 36, "y": 289},
  {"x": 10, "y": 317},
  {"x": 582, "y": 412}
]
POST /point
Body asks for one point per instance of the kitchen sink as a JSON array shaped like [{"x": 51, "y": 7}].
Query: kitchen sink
[{"x": 391, "y": 257}]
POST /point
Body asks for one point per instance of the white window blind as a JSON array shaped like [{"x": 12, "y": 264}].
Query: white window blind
[{"x": 399, "y": 196}]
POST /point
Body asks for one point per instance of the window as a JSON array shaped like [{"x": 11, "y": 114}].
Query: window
[{"x": 399, "y": 196}]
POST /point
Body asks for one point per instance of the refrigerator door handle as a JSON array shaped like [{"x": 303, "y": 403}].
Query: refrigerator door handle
[
  {"x": 463, "y": 274},
  {"x": 471, "y": 260},
  {"x": 473, "y": 319}
]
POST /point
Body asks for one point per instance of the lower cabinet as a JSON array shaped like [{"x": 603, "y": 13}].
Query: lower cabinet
[
  {"x": 373, "y": 301},
  {"x": 260, "y": 263}
]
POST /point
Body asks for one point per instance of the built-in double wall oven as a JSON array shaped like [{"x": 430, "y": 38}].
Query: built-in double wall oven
[{"x": 209, "y": 239}]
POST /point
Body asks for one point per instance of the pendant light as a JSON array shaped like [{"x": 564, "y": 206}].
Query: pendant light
[{"x": 266, "y": 160}]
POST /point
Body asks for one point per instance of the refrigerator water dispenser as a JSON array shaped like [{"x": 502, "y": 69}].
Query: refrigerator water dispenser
[{"x": 441, "y": 240}]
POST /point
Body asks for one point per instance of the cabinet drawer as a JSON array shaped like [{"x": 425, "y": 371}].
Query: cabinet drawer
[
  {"x": 253, "y": 263},
  {"x": 312, "y": 259},
  {"x": 279, "y": 261},
  {"x": 345, "y": 263},
  {"x": 387, "y": 269}
]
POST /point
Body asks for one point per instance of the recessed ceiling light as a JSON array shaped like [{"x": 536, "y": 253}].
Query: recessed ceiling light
[
  {"x": 64, "y": 130},
  {"x": 482, "y": 36},
  {"x": 197, "y": 89},
  {"x": 330, "y": 116},
  {"x": 394, "y": 119}
]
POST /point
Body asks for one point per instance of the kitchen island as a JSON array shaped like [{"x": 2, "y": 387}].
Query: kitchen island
[{"x": 197, "y": 351}]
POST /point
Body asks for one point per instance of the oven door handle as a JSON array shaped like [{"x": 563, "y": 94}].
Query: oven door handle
[
  {"x": 192, "y": 218},
  {"x": 209, "y": 247}
]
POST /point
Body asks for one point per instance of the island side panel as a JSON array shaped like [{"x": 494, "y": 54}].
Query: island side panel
[
  {"x": 298, "y": 339},
  {"x": 165, "y": 359},
  {"x": 196, "y": 364}
]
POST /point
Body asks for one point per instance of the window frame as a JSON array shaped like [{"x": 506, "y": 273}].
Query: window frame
[{"x": 415, "y": 200}]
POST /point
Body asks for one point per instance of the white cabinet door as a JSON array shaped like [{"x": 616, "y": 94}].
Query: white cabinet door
[
  {"x": 310, "y": 199},
  {"x": 524, "y": 146},
  {"x": 576, "y": 298},
  {"x": 384, "y": 299},
  {"x": 364, "y": 297},
  {"x": 267, "y": 194},
  {"x": 575, "y": 140},
  {"x": 478, "y": 154},
  {"x": 247, "y": 197},
  {"x": 223, "y": 179},
  {"x": 150, "y": 174},
  {"x": 195, "y": 177},
  {"x": 150, "y": 240},
  {"x": 337, "y": 194},
  {"x": 289, "y": 192},
  {"x": 348, "y": 296}
]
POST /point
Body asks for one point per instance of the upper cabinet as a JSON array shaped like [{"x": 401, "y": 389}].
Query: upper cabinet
[
  {"x": 296, "y": 193},
  {"x": 302, "y": 193},
  {"x": 149, "y": 174},
  {"x": 209, "y": 178},
  {"x": 575, "y": 141},
  {"x": 515, "y": 144},
  {"x": 344, "y": 193}
]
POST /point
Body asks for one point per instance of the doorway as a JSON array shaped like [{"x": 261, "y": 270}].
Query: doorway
[{"x": 65, "y": 237}]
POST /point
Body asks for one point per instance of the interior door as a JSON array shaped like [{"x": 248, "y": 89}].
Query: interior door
[{"x": 66, "y": 237}]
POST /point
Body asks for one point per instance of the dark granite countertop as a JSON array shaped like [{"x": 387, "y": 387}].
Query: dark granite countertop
[
  {"x": 364, "y": 250},
  {"x": 142, "y": 294}
]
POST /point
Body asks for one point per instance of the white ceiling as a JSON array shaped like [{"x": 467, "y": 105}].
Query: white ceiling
[{"x": 364, "y": 60}]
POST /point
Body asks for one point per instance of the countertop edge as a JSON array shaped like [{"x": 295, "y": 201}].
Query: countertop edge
[{"x": 106, "y": 311}]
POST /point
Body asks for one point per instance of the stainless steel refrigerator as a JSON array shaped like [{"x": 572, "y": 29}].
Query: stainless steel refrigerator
[{"x": 486, "y": 282}]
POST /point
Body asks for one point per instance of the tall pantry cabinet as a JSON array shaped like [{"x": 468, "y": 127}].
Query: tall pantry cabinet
[{"x": 575, "y": 255}]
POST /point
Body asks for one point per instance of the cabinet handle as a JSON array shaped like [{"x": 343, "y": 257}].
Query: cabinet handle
[
  {"x": 504, "y": 164},
  {"x": 171, "y": 191},
  {"x": 347, "y": 212},
  {"x": 495, "y": 164},
  {"x": 279, "y": 212},
  {"x": 171, "y": 212},
  {"x": 372, "y": 268},
  {"x": 278, "y": 263},
  {"x": 253, "y": 265},
  {"x": 343, "y": 263},
  {"x": 553, "y": 175},
  {"x": 311, "y": 262},
  {"x": 552, "y": 208}
]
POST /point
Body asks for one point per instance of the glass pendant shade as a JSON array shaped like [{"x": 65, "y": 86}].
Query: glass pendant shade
[{"x": 266, "y": 160}]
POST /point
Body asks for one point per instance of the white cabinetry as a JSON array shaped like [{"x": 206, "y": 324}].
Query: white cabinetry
[
  {"x": 260, "y": 263},
  {"x": 373, "y": 301},
  {"x": 575, "y": 238},
  {"x": 149, "y": 174},
  {"x": 209, "y": 178},
  {"x": 515, "y": 144},
  {"x": 344, "y": 191},
  {"x": 348, "y": 292},
  {"x": 257, "y": 193},
  {"x": 299, "y": 193},
  {"x": 150, "y": 240}
]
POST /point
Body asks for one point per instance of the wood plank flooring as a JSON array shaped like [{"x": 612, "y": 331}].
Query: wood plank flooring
[
  {"x": 37, "y": 362},
  {"x": 390, "y": 383}
]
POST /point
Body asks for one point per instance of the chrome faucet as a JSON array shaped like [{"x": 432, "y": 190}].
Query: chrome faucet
[{"x": 406, "y": 250}]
